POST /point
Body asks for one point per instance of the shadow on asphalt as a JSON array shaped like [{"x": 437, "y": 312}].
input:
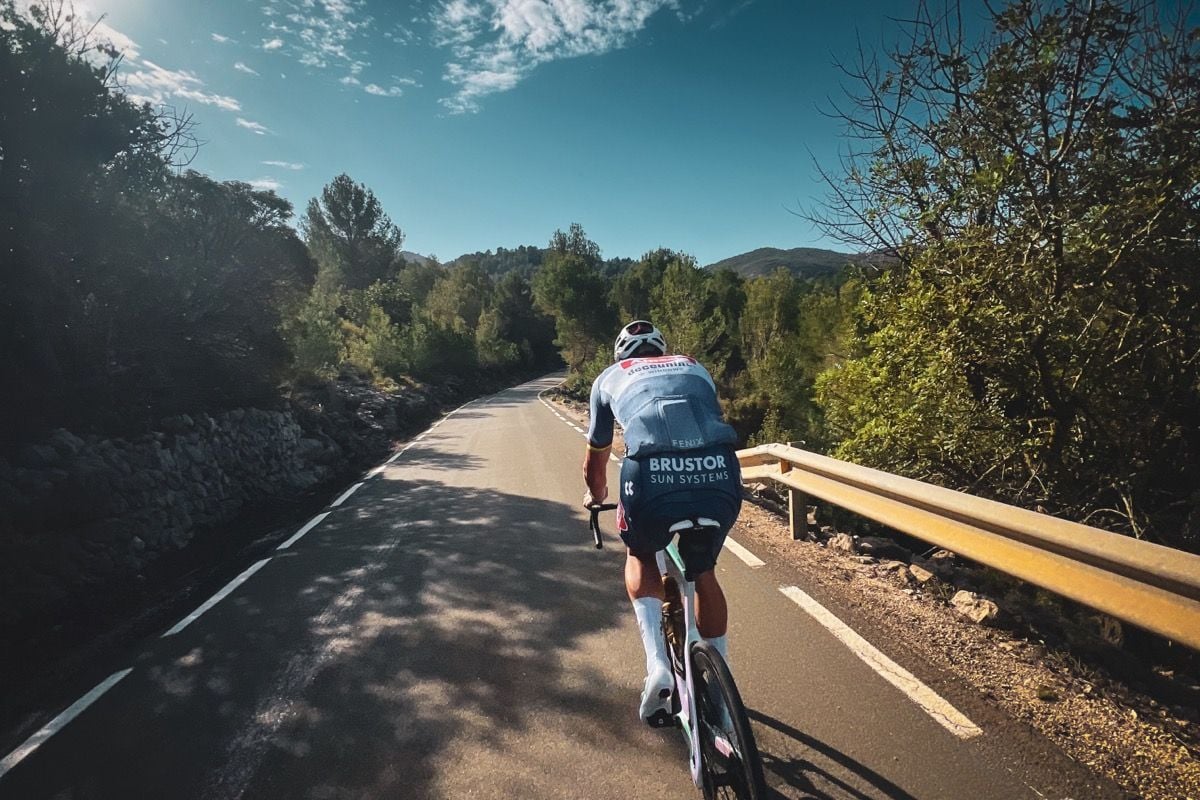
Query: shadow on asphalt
[
  {"x": 426, "y": 457},
  {"x": 425, "y": 620},
  {"x": 804, "y": 775}
]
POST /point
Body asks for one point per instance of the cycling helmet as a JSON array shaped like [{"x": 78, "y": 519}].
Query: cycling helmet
[{"x": 636, "y": 334}]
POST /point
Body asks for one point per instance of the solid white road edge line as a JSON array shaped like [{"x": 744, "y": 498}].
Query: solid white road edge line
[
  {"x": 295, "y": 537},
  {"x": 930, "y": 701},
  {"x": 347, "y": 494},
  {"x": 745, "y": 555},
  {"x": 216, "y": 598},
  {"x": 58, "y": 723}
]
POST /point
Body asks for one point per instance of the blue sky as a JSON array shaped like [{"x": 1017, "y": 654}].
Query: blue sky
[{"x": 689, "y": 124}]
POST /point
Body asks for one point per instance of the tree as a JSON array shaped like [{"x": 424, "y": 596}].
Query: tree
[
  {"x": 1038, "y": 340},
  {"x": 353, "y": 241},
  {"x": 459, "y": 297},
  {"x": 633, "y": 289},
  {"x": 569, "y": 288}
]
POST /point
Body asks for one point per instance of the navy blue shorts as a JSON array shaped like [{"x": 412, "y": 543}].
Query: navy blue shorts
[{"x": 658, "y": 491}]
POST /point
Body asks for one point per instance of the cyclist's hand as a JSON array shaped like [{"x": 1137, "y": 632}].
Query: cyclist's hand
[{"x": 589, "y": 500}]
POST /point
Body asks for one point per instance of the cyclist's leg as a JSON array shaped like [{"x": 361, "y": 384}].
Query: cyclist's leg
[
  {"x": 712, "y": 612},
  {"x": 643, "y": 583},
  {"x": 642, "y": 578}
]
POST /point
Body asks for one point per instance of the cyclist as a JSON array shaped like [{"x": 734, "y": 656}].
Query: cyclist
[{"x": 680, "y": 464}]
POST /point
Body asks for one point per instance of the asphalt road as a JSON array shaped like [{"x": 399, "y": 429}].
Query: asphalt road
[{"x": 447, "y": 631}]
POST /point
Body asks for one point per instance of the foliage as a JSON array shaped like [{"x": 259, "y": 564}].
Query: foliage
[
  {"x": 570, "y": 288},
  {"x": 353, "y": 241},
  {"x": 1039, "y": 340}
]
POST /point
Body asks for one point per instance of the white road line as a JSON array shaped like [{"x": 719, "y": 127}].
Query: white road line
[
  {"x": 376, "y": 471},
  {"x": 295, "y": 537},
  {"x": 216, "y": 598},
  {"x": 58, "y": 723},
  {"x": 346, "y": 494},
  {"x": 930, "y": 701},
  {"x": 744, "y": 554}
]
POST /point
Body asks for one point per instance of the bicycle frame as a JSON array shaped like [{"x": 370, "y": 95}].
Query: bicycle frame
[{"x": 685, "y": 687}]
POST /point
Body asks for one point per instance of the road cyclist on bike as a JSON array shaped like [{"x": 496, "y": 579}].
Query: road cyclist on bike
[{"x": 680, "y": 463}]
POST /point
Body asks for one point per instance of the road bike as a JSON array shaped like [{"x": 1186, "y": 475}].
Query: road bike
[{"x": 706, "y": 706}]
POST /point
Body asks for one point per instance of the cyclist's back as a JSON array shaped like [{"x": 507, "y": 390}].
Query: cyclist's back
[{"x": 680, "y": 464}]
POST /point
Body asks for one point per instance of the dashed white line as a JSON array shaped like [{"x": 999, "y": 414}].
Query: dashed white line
[
  {"x": 930, "y": 701},
  {"x": 216, "y": 598},
  {"x": 347, "y": 494},
  {"x": 295, "y": 537},
  {"x": 744, "y": 554},
  {"x": 58, "y": 723}
]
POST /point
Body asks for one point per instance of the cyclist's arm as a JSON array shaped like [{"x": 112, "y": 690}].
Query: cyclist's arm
[{"x": 599, "y": 443}]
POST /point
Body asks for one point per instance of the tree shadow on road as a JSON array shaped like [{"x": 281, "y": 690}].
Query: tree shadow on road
[{"x": 422, "y": 642}]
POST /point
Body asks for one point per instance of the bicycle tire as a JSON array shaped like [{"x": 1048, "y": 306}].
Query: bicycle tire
[{"x": 737, "y": 774}]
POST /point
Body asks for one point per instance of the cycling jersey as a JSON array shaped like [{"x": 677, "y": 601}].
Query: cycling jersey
[{"x": 665, "y": 404}]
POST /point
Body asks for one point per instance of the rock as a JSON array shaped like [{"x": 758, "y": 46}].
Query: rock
[
  {"x": 881, "y": 547},
  {"x": 66, "y": 443},
  {"x": 842, "y": 541},
  {"x": 39, "y": 456},
  {"x": 920, "y": 573},
  {"x": 179, "y": 424},
  {"x": 943, "y": 563},
  {"x": 978, "y": 609}
]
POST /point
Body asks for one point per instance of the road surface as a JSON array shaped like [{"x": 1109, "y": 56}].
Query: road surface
[{"x": 447, "y": 631}]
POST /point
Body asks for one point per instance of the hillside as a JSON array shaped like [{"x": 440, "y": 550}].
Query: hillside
[{"x": 805, "y": 262}]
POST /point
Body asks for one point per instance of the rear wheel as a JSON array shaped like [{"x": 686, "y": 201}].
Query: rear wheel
[{"x": 729, "y": 757}]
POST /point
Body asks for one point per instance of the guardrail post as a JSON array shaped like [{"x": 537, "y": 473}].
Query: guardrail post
[{"x": 797, "y": 515}]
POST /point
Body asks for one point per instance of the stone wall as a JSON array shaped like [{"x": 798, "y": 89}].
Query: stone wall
[{"x": 77, "y": 512}]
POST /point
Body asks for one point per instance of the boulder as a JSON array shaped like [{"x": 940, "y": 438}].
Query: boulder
[
  {"x": 39, "y": 456},
  {"x": 978, "y": 609},
  {"x": 920, "y": 573},
  {"x": 66, "y": 443}
]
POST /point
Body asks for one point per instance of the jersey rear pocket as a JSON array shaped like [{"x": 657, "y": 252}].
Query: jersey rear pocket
[{"x": 680, "y": 422}]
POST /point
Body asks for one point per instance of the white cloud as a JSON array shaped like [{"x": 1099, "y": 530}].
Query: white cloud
[
  {"x": 240, "y": 67},
  {"x": 284, "y": 164},
  {"x": 219, "y": 39},
  {"x": 266, "y": 184},
  {"x": 320, "y": 33},
  {"x": 157, "y": 85},
  {"x": 379, "y": 91},
  {"x": 254, "y": 127},
  {"x": 350, "y": 80},
  {"x": 272, "y": 44},
  {"x": 495, "y": 44}
]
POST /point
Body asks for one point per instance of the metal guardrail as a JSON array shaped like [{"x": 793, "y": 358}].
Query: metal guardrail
[{"x": 1144, "y": 584}]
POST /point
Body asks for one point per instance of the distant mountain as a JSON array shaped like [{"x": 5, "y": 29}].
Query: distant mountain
[
  {"x": 803, "y": 262},
  {"x": 415, "y": 258}
]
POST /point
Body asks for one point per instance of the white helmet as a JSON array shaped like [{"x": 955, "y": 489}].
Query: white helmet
[{"x": 636, "y": 334}]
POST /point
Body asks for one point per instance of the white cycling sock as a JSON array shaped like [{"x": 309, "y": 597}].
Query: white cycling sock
[
  {"x": 720, "y": 644},
  {"x": 648, "y": 611}
]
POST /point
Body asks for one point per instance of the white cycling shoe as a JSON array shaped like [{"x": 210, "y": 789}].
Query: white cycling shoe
[{"x": 655, "y": 708}]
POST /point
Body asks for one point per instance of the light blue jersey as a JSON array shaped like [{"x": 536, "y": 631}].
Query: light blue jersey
[{"x": 665, "y": 404}]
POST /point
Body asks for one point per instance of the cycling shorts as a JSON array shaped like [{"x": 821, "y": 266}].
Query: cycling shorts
[{"x": 660, "y": 490}]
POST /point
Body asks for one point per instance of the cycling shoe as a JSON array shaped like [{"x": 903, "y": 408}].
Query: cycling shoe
[{"x": 656, "y": 697}]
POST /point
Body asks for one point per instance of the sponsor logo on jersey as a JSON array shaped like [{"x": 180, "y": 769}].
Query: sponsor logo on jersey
[
  {"x": 656, "y": 363},
  {"x": 687, "y": 470}
]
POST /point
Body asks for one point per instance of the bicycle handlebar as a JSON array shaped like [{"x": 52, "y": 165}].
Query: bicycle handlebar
[{"x": 594, "y": 524}]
